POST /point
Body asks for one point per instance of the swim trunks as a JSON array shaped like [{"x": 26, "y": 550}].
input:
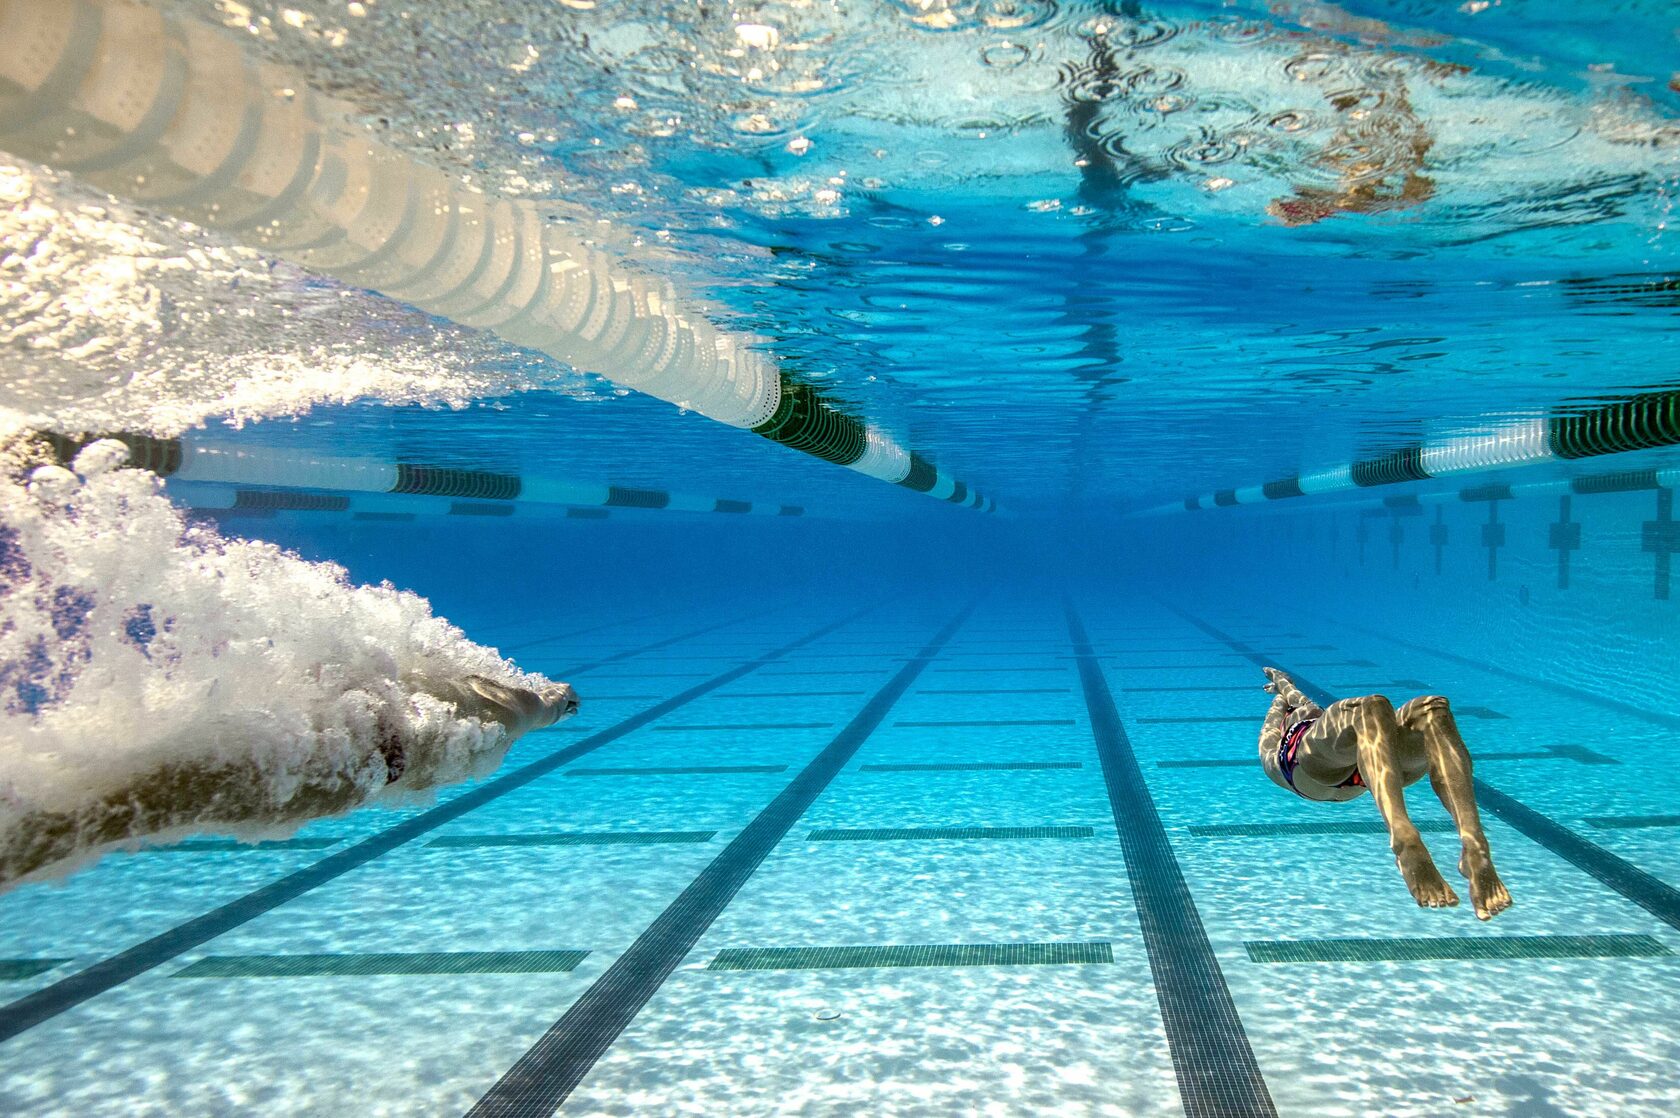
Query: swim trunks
[{"x": 1289, "y": 748}]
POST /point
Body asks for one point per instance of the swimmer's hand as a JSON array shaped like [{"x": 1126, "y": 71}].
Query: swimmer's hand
[{"x": 1273, "y": 676}]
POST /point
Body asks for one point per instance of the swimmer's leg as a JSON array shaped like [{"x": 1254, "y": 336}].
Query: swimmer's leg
[
  {"x": 1364, "y": 731},
  {"x": 1430, "y": 717}
]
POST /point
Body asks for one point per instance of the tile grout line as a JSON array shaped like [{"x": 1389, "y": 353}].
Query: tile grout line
[
  {"x": 542, "y": 1079},
  {"x": 68, "y": 992},
  {"x": 1667, "y": 721},
  {"x": 1616, "y": 873},
  {"x": 1217, "y": 1072}
]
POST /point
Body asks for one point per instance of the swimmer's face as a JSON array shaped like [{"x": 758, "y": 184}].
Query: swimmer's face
[
  {"x": 562, "y": 696},
  {"x": 1300, "y": 211}
]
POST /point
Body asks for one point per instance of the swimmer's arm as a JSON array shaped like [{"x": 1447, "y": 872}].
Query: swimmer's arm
[
  {"x": 1285, "y": 689},
  {"x": 1271, "y": 731}
]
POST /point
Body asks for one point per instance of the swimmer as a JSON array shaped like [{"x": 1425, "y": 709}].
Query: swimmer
[
  {"x": 1363, "y": 743},
  {"x": 182, "y": 796}
]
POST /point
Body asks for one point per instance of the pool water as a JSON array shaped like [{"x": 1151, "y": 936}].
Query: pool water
[
  {"x": 1197, "y": 338},
  {"x": 813, "y": 792}
]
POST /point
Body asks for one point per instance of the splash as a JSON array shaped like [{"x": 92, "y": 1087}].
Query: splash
[
  {"x": 158, "y": 679},
  {"x": 112, "y": 318}
]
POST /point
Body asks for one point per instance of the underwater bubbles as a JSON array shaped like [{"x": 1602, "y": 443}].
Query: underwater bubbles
[
  {"x": 966, "y": 15},
  {"x": 1006, "y": 55},
  {"x": 1085, "y": 85},
  {"x": 1205, "y": 151},
  {"x": 1016, "y": 15},
  {"x": 1312, "y": 67},
  {"x": 1240, "y": 32},
  {"x": 1148, "y": 81},
  {"x": 1290, "y": 121}
]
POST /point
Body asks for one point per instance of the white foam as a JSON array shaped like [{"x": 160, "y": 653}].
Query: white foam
[
  {"x": 133, "y": 644},
  {"x": 114, "y": 319}
]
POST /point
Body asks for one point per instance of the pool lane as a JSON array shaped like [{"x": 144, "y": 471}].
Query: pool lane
[
  {"x": 948, "y": 930},
  {"x": 48, "y": 1001},
  {"x": 543, "y": 1078},
  {"x": 1218, "y": 1076},
  {"x": 1648, "y": 892}
]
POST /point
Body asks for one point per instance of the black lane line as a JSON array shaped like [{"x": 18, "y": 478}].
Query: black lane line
[
  {"x": 546, "y": 1075},
  {"x": 1216, "y": 1069},
  {"x": 994, "y": 671},
  {"x": 619, "y": 624},
  {"x": 680, "y": 770},
  {"x": 783, "y": 694},
  {"x": 49, "y": 1001},
  {"x": 1650, "y": 893},
  {"x": 1659, "y": 718},
  {"x": 641, "y": 648},
  {"x": 1199, "y": 718},
  {"x": 872, "y": 671},
  {"x": 993, "y": 691},
  {"x": 994, "y": 722},
  {"x": 1217, "y": 687},
  {"x": 745, "y": 726}
]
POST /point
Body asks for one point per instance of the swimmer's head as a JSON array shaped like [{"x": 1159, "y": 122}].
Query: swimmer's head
[
  {"x": 561, "y": 697},
  {"x": 1298, "y": 210}
]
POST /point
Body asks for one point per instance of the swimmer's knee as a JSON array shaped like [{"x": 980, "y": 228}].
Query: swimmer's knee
[
  {"x": 1375, "y": 704},
  {"x": 1428, "y": 708}
]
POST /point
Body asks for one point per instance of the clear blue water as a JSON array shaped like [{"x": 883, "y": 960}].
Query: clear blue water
[{"x": 899, "y": 807}]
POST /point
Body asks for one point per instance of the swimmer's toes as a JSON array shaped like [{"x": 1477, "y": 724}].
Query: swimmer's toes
[
  {"x": 1425, "y": 882},
  {"x": 1488, "y": 894}
]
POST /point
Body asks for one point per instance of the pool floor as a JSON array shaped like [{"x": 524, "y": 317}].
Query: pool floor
[{"x": 1007, "y": 855}]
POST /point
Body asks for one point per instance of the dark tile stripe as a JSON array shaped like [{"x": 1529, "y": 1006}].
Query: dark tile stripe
[
  {"x": 573, "y": 838},
  {"x": 637, "y": 675},
  {"x": 15, "y": 970},
  {"x": 994, "y": 722},
  {"x": 1583, "y": 755},
  {"x": 678, "y": 770},
  {"x": 1650, "y": 893},
  {"x": 208, "y": 846},
  {"x": 972, "y": 766},
  {"x": 502, "y": 626},
  {"x": 748, "y": 726},
  {"x": 994, "y": 691},
  {"x": 653, "y": 646},
  {"x": 1219, "y": 687},
  {"x": 1624, "y": 822},
  {"x": 1218, "y": 1076},
  {"x": 49, "y": 1001},
  {"x": 1340, "y": 827},
  {"x": 1127, "y": 669},
  {"x": 348, "y": 965},
  {"x": 1556, "y": 687},
  {"x": 943, "y": 834},
  {"x": 994, "y": 671},
  {"x": 916, "y": 955},
  {"x": 543, "y": 1078},
  {"x": 1455, "y": 947},
  {"x": 784, "y": 694},
  {"x": 770, "y": 675}
]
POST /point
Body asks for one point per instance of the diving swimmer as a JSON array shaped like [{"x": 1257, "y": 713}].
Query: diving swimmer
[
  {"x": 183, "y": 795},
  {"x": 1362, "y": 743}
]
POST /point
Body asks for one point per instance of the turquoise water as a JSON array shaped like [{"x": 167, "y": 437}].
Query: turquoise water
[{"x": 882, "y": 803}]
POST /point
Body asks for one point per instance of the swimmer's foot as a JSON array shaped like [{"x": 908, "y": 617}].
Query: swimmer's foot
[
  {"x": 1428, "y": 887},
  {"x": 1487, "y": 892}
]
